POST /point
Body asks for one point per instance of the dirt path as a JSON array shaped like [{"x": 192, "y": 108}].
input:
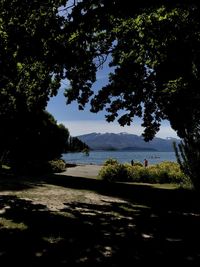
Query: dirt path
[
  {"x": 53, "y": 196},
  {"x": 83, "y": 171}
]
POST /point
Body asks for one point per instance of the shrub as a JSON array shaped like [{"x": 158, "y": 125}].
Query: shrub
[
  {"x": 110, "y": 161},
  {"x": 137, "y": 163},
  {"x": 115, "y": 172},
  {"x": 57, "y": 165},
  {"x": 134, "y": 173},
  {"x": 188, "y": 156},
  {"x": 164, "y": 172},
  {"x": 170, "y": 172}
]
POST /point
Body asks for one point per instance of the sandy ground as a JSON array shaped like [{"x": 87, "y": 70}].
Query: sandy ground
[
  {"x": 56, "y": 196},
  {"x": 90, "y": 171},
  {"x": 55, "y": 193}
]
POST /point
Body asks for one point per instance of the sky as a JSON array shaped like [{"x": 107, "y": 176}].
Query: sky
[{"x": 84, "y": 122}]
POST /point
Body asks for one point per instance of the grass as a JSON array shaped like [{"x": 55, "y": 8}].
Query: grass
[{"x": 73, "y": 221}]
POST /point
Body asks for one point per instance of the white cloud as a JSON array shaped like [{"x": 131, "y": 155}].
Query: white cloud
[
  {"x": 166, "y": 131},
  {"x": 80, "y": 127}
]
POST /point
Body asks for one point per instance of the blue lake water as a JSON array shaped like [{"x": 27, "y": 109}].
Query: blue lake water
[{"x": 98, "y": 157}]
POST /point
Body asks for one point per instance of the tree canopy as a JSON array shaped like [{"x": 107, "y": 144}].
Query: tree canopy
[
  {"x": 34, "y": 53},
  {"x": 155, "y": 52},
  {"x": 30, "y": 47},
  {"x": 153, "y": 49}
]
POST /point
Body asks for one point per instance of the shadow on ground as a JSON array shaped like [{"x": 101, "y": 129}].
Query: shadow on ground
[{"x": 148, "y": 226}]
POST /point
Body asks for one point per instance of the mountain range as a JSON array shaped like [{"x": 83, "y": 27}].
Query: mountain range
[{"x": 126, "y": 141}]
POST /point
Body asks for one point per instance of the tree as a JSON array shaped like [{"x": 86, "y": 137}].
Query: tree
[
  {"x": 41, "y": 140},
  {"x": 75, "y": 145},
  {"x": 32, "y": 52},
  {"x": 188, "y": 156},
  {"x": 154, "y": 51},
  {"x": 31, "y": 43},
  {"x": 34, "y": 55}
]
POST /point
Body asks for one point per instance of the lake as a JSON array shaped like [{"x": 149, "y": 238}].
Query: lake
[{"x": 98, "y": 157}]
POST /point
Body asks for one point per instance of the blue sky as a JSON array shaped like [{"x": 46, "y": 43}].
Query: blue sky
[{"x": 83, "y": 122}]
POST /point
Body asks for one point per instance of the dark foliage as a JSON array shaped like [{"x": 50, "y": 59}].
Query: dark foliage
[
  {"x": 31, "y": 70},
  {"x": 188, "y": 156},
  {"x": 75, "y": 145},
  {"x": 154, "y": 51}
]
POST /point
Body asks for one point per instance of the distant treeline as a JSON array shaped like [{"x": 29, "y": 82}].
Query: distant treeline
[{"x": 75, "y": 145}]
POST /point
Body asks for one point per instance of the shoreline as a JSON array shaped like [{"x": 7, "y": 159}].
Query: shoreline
[{"x": 74, "y": 164}]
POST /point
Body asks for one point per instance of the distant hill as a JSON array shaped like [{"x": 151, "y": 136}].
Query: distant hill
[{"x": 125, "y": 141}]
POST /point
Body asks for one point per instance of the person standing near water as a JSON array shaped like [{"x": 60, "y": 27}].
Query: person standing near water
[{"x": 145, "y": 162}]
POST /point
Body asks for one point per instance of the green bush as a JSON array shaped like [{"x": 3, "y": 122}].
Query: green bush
[
  {"x": 57, "y": 165},
  {"x": 141, "y": 174},
  {"x": 164, "y": 172},
  {"x": 114, "y": 172},
  {"x": 137, "y": 163},
  {"x": 110, "y": 161},
  {"x": 170, "y": 172}
]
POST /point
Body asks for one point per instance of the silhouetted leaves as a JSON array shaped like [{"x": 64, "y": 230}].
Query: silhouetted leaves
[{"x": 154, "y": 52}]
